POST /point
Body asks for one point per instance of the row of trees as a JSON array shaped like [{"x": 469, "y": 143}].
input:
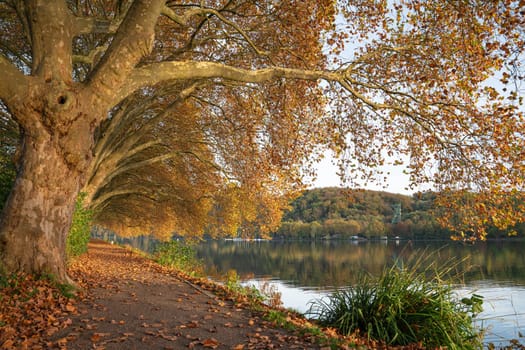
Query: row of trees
[
  {"x": 193, "y": 115},
  {"x": 341, "y": 213}
]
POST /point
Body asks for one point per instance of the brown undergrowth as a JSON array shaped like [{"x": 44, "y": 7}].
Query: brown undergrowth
[{"x": 32, "y": 310}]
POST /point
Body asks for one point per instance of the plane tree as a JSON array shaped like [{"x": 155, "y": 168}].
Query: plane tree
[
  {"x": 248, "y": 91},
  {"x": 163, "y": 166}
]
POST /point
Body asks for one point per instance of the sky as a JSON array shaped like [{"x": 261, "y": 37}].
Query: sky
[
  {"x": 327, "y": 171},
  {"x": 397, "y": 181}
]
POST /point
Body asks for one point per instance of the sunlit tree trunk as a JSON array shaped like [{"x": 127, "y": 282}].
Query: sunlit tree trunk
[
  {"x": 58, "y": 117},
  {"x": 38, "y": 213}
]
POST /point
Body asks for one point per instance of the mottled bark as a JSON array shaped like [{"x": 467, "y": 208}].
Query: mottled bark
[
  {"x": 58, "y": 118},
  {"x": 56, "y": 143},
  {"x": 38, "y": 213}
]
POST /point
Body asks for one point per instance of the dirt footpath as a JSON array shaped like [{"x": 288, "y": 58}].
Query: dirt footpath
[{"x": 132, "y": 303}]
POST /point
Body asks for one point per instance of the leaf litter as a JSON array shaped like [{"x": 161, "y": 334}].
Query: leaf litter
[{"x": 127, "y": 301}]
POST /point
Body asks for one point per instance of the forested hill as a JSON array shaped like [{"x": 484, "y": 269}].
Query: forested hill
[{"x": 339, "y": 213}]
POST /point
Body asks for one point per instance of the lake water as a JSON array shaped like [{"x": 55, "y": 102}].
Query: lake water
[{"x": 304, "y": 271}]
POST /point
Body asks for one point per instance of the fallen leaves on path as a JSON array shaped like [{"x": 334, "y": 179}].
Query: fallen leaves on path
[
  {"x": 129, "y": 301},
  {"x": 31, "y": 310}
]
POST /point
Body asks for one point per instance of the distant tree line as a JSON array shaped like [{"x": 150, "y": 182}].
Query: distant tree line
[{"x": 336, "y": 213}]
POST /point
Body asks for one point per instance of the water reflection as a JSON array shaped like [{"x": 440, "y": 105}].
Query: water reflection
[
  {"x": 336, "y": 264},
  {"x": 303, "y": 271},
  {"x": 504, "y": 311}
]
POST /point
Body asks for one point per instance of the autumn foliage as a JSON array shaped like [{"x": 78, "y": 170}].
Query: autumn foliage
[
  {"x": 180, "y": 116},
  {"x": 406, "y": 83}
]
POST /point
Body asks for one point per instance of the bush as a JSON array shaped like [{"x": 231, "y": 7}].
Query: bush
[
  {"x": 79, "y": 234},
  {"x": 178, "y": 255},
  {"x": 7, "y": 174},
  {"x": 403, "y": 306}
]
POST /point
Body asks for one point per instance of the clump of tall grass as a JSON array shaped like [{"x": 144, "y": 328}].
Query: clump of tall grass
[{"x": 404, "y": 305}]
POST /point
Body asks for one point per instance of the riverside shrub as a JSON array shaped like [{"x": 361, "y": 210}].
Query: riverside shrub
[
  {"x": 403, "y": 306},
  {"x": 79, "y": 234},
  {"x": 179, "y": 255}
]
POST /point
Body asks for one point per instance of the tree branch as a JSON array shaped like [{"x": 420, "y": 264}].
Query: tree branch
[
  {"x": 106, "y": 196},
  {"x": 15, "y": 53},
  {"x": 90, "y": 25},
  {"x": 136, "y": 165},
  {"x": 92, "y": 57},
  {"x": 188, "y": 70},
  {"x": 51, "y": 40},
  {"x": 158, "y": 72},
  {"x": 133, "y": 40},
  {"x": 149, "y": 192},
  {"x": 13, "y": 82},
  {"x": 183, "y": 20}
]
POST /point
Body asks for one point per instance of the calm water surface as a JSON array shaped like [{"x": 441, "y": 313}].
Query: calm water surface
[{"x": 304, "y": 271}]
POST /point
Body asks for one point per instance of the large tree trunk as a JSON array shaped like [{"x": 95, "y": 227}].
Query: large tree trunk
[
  {"x": 37, "y": 216},
  {"x": 59, "y": 117}
]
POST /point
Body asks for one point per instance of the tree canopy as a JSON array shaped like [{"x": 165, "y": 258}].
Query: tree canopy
[{"x": 180, "y": 114}]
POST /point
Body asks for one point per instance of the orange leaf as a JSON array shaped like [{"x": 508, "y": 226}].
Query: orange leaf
[
  {"x": 210, "y": 343},
  {"x": 8, "y": 344}
]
